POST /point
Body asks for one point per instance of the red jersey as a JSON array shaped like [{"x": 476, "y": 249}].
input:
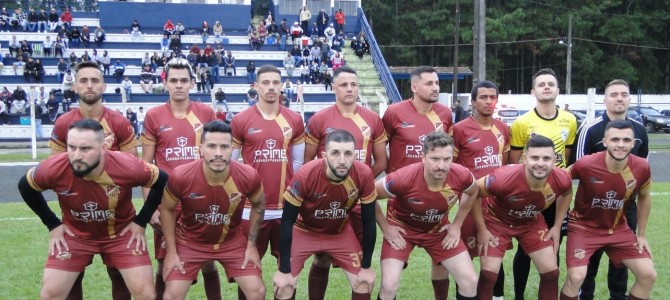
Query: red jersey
[
  {"x": 419, "y": 207},
  {"x": 365, "y": 125},
  {"x": 478, "y": 149},
  {"x": 97, "y": 208},
  {"x": 512, "y": 202},
  {"x": 119, "y": 134},
  {"x": 324, "y": 205},
  {"x": 266, "y": 146},
  {"x": 177, "y": 141},
  {"x": 602, "y": 196},
  {"x": 211, "y": 213},
  {"x": 406, "y": 129}
]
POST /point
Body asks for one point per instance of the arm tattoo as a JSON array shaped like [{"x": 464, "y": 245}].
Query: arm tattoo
[{"x": 258, "y": 209}]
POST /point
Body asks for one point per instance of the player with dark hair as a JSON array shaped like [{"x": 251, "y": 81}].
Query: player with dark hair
[
  {"x": 212, "y": 191},
  {"x": 423, "y": 193},
  {"x": 271, "y": 139},
  {"x": 370, "y": 149},
  {"x": 481, "y": 144},
  {"x": 94, "y": 188},
  {"x": 517, "y": 195},
  {"x": 171, "y": 138},
  {"x": 607, "y": 182},
  {"x": 323, "y": 192}
]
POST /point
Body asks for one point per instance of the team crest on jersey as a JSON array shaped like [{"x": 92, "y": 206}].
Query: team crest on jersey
[
  {"x": 288, "y": 132},
  {"x": 564, "y": 134},
  {"x": 113, "y": 191},
  {"x": 549, "y": 198},
  {"x": 353, "y": 194},
  {"x": 421, "y": 139},
  {"x": 439, "y": 126},
  {"x": 580, "y": 253},
  {"x": 488, "y": 150},
  {"x": 472, "y": 242},
  {"x": 452, "y": 199},
  {"x": 365, "y": 130},
  {"x": 630, "y": 184},
  {"x": 270, "y": 143},
  {"x": 197, "y": 127},
  {"x": 235, "y": 198},
  {"x": 182, "y": 141},
  {"x": 109, "y": 138},
  {"x": 500, "y": 138},
  {"x": 610, "y": 194},
  {"x": 406, "y": 125},
  {"x": 254, "y": 130}
]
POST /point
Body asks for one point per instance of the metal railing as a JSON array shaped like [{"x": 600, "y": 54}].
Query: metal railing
[{"x": 379, "y": 62}]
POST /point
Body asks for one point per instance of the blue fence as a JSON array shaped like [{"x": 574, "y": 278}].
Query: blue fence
[{"x": 379, "y": 62}]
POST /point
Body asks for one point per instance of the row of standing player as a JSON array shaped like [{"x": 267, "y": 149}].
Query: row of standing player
[{"x": 258, "y": 143}]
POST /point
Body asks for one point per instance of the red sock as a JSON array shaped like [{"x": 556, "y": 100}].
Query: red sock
[
  {"x": 160, "y": 286},
  {"x": 212, "y": 285},
  {"x": 441, "y": 288},
  {"x": 76, "y": 293},
  {"x": 119, "y": 289},
  {"x": 485, "y": 285},
  {"x": 359, "y": 296},
  {"x": 318, "y": 282},
  {"x": 548, "y": 289},
  {"x": 631, "y": 297},
  {"x": 564, "y": 297}
]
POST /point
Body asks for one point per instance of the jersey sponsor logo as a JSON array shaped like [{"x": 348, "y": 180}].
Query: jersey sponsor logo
[
  {"x": 65, "y": 255},
  {"x": 65, "y": 193},
  {"x": 270, "y": 154},
  {"x": 182, "y": 152},
  {"x": 595, "y": 180},
  {"x": 473, "y": 140},
  {"x": 488, "y": 160},
  {"x": 318, "y": 196},
  {"x": 580, "y": 253},
  {"x": 610, "y": 202},
  {"x": 254, "y": 130},
  {"x": 91, "y": 213},
  {"x": 113, "y": 191},
  {"x": 414, "y": 151},
  {"x": 235, "y": 198},
  {"x": 406, "y": 125},
  {"x": 193, "y": 195},
  {"x": 164, "y": 128},
  {"x": 414, "y": 201},
  {"x": 430, "y": 216},
  {"x": 549, "y": 198},
  {"x": 529, "y": 212},
  {"x": 213, "y": 217},
  {"x": 334, "y": 212},
  {"x": 514, "y": 198}
]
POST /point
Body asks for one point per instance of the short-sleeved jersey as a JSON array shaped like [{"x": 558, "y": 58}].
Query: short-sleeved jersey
[
  {"x": 100, "y": 207},
  {"x": 324, "y": 205},
  {"x": 478, "y": 149},
  {"x": 365, "y": 125},
  {"x": 266, "y": 146},
  {"x": 119, "y": 134},
  {"x": 177, "y": 141},
  {"x": 561, "y": 129},
  {"x": 512, "y": 202},
  {"x": 602, "y": 196},
  {"x": 406, "y": 128},
  {"x": 419, "y": 207},
  {"x": 211, "y": 213}
]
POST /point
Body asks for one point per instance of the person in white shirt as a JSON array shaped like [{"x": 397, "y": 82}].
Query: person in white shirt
[
  {"x": 140, "y": 120},
  {"x": 68, "y": 79},
  {"x": 127, "y": 86},
  {"x": 47, "y": 46},
  {"x": 330, "y": 34}
]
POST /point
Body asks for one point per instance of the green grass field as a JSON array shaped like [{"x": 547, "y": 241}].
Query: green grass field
[{"x": 25, "y": 242}]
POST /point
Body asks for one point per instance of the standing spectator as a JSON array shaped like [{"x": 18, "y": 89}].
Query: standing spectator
[
  {"x": 218, "y": 31},
  {"x": 100, "y": 35},
  {"x": 135, "y": 31},
  {"x": 165, "y": 44},
  {"x": 52, "y": 107},
  {"x": 75, "y": 38},
  {"x": 47, "y": 46},
  {"x": 68, "y": 79},
  {"x": 119, "y": 69},
  {"x": 304, "y": 72},
  {"x": 14, "y": 46},
  {"x": 39, "y": 71},
  {"x": 283, "y": 31},
  {"x": 140, "y": 121},
  {"x": 19, "y": 103},
  {"x": 146, "y": 78},
  {"x": 251, "y": 72},
  {"x": 287, "y": 87},
  {"x": 132, "y": 118},
  {"x": 68, "y": 97},
  {"x": 66, "y": 19},
  {"x": 339, "y": 21},
  {"x": 305, "y": 17},
  {"x": 53, "y": 20},
  {"x": 106, "y": 62},
  {"x": 59, "y": 47},
  {"x": 289, "y": 65},
  {"x": 322, "y": 21},
  {"x": 459, "y": 113},
  {"x": 229, "y": 63},
  {"x": 204, "y": 32},
  {"x": 42, "y": 21},
  {"x": 127, "y": 86}
]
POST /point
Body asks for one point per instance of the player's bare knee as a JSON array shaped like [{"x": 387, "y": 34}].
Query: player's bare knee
[
  {"x": 52, "y": 293},
  {"x": 390, "y": 285},
  {"x": 647, "y": 277},
  {"x": 256, "y": 292},
  {"x": 467, "y": 284},
  {"x": 575, "y": 278},
  {"x": 145, "y": 294}
]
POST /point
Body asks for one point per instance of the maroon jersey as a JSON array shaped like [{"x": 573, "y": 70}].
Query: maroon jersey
[
  {"x": 512, "y": 202},
  {"x": 419, "y": 207},
  {"x": 325, "y": 205},
  {"x": 602, "y": 196},
  {"x": 266, "y": 146},
  {"x": 177, "y": 141},
  {"x": 119, "y": 134},
  {"x": 478, "y": 149},
  {"x": 406, "y": 129},
  {"x": 100, "y": 207},
  {"x": 211, "y": 213},
  {"x": 365, "y": 125}
]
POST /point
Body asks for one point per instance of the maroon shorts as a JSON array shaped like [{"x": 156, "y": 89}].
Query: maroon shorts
[
  {"x": 356, "y": 222},
  {"x": 432, "y": 242},
  {"x": 469, "y": 235},
  {"x": 114, "y": 253},
  {"x": 530, "y": 236},
  {"x": 620, "y": 245},
  {"x": 160, "y": 247},
  {"x": 342, "y": 247},
  {"x": 268, "y": 234},
  {"x": 230, "y": 255}
]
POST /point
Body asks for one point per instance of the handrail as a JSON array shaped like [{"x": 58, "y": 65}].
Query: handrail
[
  {"x": 364, "y": 101},
  {"x": 379, "y": 62},
  {"x": 383, "y": 102}
]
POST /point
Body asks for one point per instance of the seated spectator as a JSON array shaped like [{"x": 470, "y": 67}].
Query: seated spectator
[
  {"x": 127, "y": 86},
  {"x": 52, "y": 107},
  {"x": 220, "y": 96},
  {"x": 19, "y": 18},
  {"x": 66, "y": 19},
  {"x": 287, "y": 87},
  {"x": 68, "y": 79},
  {"x": 119, "y": 69},
  {"x": 252, "y": 96},
  {"x": 85, "y": 56},
  {"x": 47, "y": 46},
  {"x": 273, "y": 31},
  {"x": 195, "y": 49},
  {"x": 179, "y": 29},
  {"x": 168, "y": 28},
  {"x": 59, "y": 47},
  {"x": 69, "y": 96},
  {"x": 39, "y": 71},
  {"x": 4, "y": 20},
  {"x": 26, "y": 48},
  {"x": 314, "y": 33},
  {"x": 19, "y": 62},
  {"x": 155, "y": 61},
  {"x": 53, "y": 20},
  {"x": 100, "y": 36},
  {"x": 327, "y": 81},
  {"x": 96, "y": 58},
  {"x": 330, "y": 34},
  {"x": 165, "y": 44},
  {"x": 19, "y": 103},
  {"x": 32, "y": 20},
  {"x": 75, "y": 38},
  {"x": 262, "y": 31},
  {"x": 146, "y": 78},
  {"x": 42, "y": 21},
  {"x": 62, "y": 68},
  {"x": 229, "y": 64},
  {"x": 304, "y": 73},
  {"x": 175, "y": 43},
  {"x": 132, "y": 118},
  {"x": 85, "y": 36},
  {"x": 30, "y": 70},
  {"x": 289, "y": 64},
  {"x": 204, "y": 32},
  {"x": 135, "y": 31},
  {"x": 3, "y": 113},
  {"x": 251, "y": 72},
  {"x": 338, "y": 41},
  {"x": 218, "y": 31},
  {"x": 338, "y": 61},
  {"x": 296, "y": 32},
  {"x": 106, "y": 62},
  {"x": 255, "y": 40},
  {"x": 14, "y": 46}
]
